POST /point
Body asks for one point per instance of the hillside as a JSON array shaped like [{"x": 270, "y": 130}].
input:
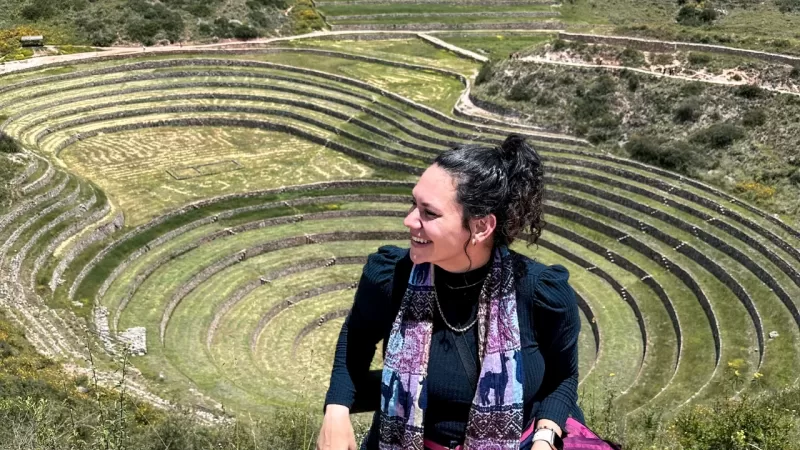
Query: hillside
[
  {"x": 729, "y": 120},
  {"x": 115, "y": 22}
]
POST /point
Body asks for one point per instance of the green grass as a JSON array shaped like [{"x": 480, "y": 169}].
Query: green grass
[
  {"x": 508, "y": 21},
  {"x": 414, "y": 51},
  {"x": 145, "y": 308},
  {"x": 619, "y": 331}
]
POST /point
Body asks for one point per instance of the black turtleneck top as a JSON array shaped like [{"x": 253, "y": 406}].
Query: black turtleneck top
[{"x": 549, "y": 327}]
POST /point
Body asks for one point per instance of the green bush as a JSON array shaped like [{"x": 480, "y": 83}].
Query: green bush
[
  {"x": 695, "y": 16},
  {"x": 795, "y": 177},
  {"x": 38, "y": 10},
  {"x": 688, "y": 111},
  {"x": 486, "y": 72},
  {"x": 245, "y": 32},
  {"x": 672, "y": 155},
  {"x": 693, "y": 88},
  {"x": 698, "y": 59},
  {"x": 559, "y": 44},
  {"x": 632, "y": 58},
  {"x": 749, "y": 91},
  {"x": 719, "y": 135},
  {"x": 633, "y": 83},
  {"x": 786, "y": 6},
  {"x": 754, "y": 118},
  {"x": 745, "y": 423},
  {"x": 152, "y": 21},
  {"x": 8, "y": 145},
  {"x": 519, "y": 92}
]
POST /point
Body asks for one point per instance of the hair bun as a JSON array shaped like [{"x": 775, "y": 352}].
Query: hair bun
[{"x": 511, "y": 148}]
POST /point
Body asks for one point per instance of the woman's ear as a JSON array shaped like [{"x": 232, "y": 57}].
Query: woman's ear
[{"x": 483, "y": 228}]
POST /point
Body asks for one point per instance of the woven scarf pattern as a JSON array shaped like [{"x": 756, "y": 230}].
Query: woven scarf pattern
[{"x": 495, "y": 418}]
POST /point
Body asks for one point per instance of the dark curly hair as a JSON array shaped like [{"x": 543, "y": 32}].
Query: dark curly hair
[{"x": 507, "y": 181}]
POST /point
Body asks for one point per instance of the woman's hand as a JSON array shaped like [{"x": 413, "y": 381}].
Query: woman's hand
[{"x": 337, "y": 430}]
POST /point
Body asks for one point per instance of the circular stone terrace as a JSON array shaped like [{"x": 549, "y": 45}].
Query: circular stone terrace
[{"x": 226, "y": 201}]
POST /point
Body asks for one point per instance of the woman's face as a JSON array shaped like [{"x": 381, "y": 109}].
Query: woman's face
[{"x": 436, "y": 218}]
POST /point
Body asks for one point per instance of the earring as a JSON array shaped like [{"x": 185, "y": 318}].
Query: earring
[{"x": 473, "y": 241}]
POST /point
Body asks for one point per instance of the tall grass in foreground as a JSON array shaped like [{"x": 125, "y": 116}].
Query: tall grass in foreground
[{"x": 43, "y": 407}]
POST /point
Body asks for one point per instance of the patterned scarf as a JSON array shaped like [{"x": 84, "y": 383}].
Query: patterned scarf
[{"x": 495, "y": 418}]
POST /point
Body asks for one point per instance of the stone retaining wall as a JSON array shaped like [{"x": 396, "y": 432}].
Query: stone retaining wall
[
  {"x": 278, "y": 112},
  {"x": 27, "y": 205},
  {"x": 252, "y": 285},
  {"x": 66, "y": 234},
  {"x": 150, "y": 269},
  {"x": 709, "y": 189},
  {"x": 261, "y": 98},
  {"x": 713, "y": 242},
  {"x": 682, "y": 247},
  {"x": 214, "y": 200},
  {"x": 660, "y": 259},
  {"x": 12, "y": 238},
  {"x": 291, "y": 301},
  {"x": 674, "y": 190},
  {"x": 98, "y": 234},
  {"x": 39, "y": 182},
  {"x": 77, "y": 211},
  {"x": 338, "y": 78},
  {"x": 270, "y": 246},
  {"x": 596, "y": 248},
  {"x": 316, "y": 323},
  {"x": 33, "y": 163},
  {"x": 243, "y": 123}
]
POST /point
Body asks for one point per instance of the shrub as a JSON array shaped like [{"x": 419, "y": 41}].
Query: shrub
[
  {"x": 38, "y": 10},
  {"x": 546, "y": 99},
  {"x": 486, "y": 72},
  {"x": 755, "y": 190},
  {"x": 693, "y": 88},
  {"x": 695, "y": 16},
  {"x": 8, "y": 145},
  {"x": 662, "y": 58},
  {"x": 688, "y": 111},
  {"x": 245, "y": 32},
  {"x": 719, "y": 135},
  {"x": 795, "y": 177},
  {"x": 151, "y": 19},
  {"x": 559, "y": 44},
  {"x": 519, "y": 92},
  {"x": 633, "y": 83},
  {"x": 754, "y": 118},
  {"x": 678, "y": 156},
  {"x": 698, "y": 59},
  {"x": 749, "y": 91},
  {"x": 632, "y": 58},
  {"x": 786, "y": 6},
  {"x": 736, "y": 424}
]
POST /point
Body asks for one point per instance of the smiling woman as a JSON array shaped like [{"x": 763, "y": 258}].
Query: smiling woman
[{"x": 480, "y": 342}]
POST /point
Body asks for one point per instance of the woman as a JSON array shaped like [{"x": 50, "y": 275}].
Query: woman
[{"x": 480, "y": 343}]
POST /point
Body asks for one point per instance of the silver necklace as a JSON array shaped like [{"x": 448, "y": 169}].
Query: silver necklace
[
  {"x": 439, "y": 307},
  {"x": 467, "y": 286}
]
